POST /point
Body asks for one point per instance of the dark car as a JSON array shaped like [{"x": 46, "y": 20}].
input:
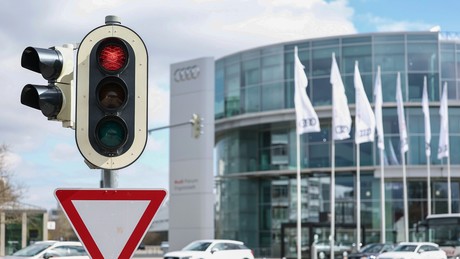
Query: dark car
[{"x": 371, "y": 251}]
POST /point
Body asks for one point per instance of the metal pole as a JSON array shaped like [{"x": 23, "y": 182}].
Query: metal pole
[
  {"x": 299, "y": 204},
  {"x": 358, "y": 198},
  {"x": 405, "y": 198},
  {"x": 331, "y": 237},
  {"x": 382, "y": 197},
  {"x": 428, "y": 184},
  {"x": 109, "y": 178}
]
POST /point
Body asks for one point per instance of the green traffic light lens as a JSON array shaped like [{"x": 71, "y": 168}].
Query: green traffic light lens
[{"x": 111, "y": 132}]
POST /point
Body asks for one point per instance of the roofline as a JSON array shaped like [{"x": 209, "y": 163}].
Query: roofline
[{"x": 333, "y": 37}]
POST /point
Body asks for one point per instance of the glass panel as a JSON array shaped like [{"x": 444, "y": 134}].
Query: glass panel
[
  {"x": 451, "y": 89},
  {"x": 360, "y": 53},
  {"x": 344, "y": 153},
  {"x": 321, "y": 91},
  {"x": 352, "y": 40},
  {"x": 252, "y": 54},
  {"x": 367, "y": 154},
  {"x": 272, "y": 68},
  {"x": 422, "y": 37},
  {"x": 250, "y": 72},
  {"x": 388, "y": 38},
  {"x": 322, "y": 60},
  {"x": 458, "y": 63},
  {"x": 422, "y": 57},
  {"x": 324, "y": 43},
  {"x": 390, "y": 57},
  {"x": 319, "y": 155},
  {"x": 251, "y": 96},
  {"x": 416, "y": 86},
  {"x": 289, "y": 86},
  {"x": 219, "y": 91},
  {"x": 447, "y": 65},
  {"x": 272, "y": 96},
  {"x": 389, "y": 86}
]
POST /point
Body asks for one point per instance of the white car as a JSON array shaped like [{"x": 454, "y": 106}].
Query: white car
[
  {"x": 212, "y": 249},
  {"x": 51, "y": 249},
  {"x": 415, "y": 250}
]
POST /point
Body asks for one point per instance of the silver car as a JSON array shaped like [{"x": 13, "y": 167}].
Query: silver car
[
  {"x": 415, "y": 250},
  {"x": 51, "y": 249},
  {"x": 212, "y": 249}
]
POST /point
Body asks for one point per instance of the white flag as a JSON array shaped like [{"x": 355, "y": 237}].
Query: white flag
[
  {"x": 401, "y": 118},
  {"x": 364, "y": 118},
  {"x": 443, "y": 149},
  {"x": 378, "y": 110},
  {"x": 426, "y": 114},
  {"x": 341, "y": 118},
  {"x": 306, "y": 117}
]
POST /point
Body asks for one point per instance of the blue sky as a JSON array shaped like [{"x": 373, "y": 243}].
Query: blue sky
[{"x": 43, "y": 155}]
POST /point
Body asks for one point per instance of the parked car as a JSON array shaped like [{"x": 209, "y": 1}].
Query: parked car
[
  {"x": 212, "y": 249},
  {"x": 371, "y": 251},
  {"x": 164, "y": 246},
  {"x": 51, "y": 249},
  {"x": 324, "y": 247},
  {"x": 415, "y": 250}
]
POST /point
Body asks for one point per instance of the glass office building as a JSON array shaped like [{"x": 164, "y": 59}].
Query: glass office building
[{"x": 256, "y": 139}]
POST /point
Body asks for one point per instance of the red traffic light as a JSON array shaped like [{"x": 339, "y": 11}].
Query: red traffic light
[{"x": 112, "y": 55}]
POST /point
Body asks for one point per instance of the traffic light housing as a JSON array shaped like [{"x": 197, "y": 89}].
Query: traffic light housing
[
  {"x": 54, "y": 100},
  {"x": 197, "y": 125},
  {"x": 111, "y": 97}
]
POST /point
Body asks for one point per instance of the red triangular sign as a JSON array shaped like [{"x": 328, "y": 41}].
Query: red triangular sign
[{"x": 110, "y": 222}]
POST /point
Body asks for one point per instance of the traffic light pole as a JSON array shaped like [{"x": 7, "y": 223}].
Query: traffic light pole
[
  {"x": 109, "y": 178},
  {"x": 170, "y": 126},
  {"x": 195, "y": 121}
]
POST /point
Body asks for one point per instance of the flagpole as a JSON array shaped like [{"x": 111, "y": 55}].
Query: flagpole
[
  {"x": 306, "y": 121},
  {"x": 382, "y": 199},
  {"x": 449, "y": 194},
  {"x": 426, "y": 114},
  {"x": 299, "y": 204},
  {"x": 358, "y": 198},
  {"x": 428, "y": 183},
  {"x": 381, "y": 145},
  {"x": 331, "y": 237},
  {"x": 406, "y": 209}
]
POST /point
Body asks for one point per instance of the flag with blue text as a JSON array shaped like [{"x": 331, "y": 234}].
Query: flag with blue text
[
  {"x": 306, "y": 117},
  {"x": 364, "y": 116},
  {"x": 341, "y": 118}
]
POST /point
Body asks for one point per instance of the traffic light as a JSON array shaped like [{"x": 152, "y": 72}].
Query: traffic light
[
  {"x": 197, "y": 125},
  {"x": 54, "y": 99},
  {"x": 111, "y": 96}
]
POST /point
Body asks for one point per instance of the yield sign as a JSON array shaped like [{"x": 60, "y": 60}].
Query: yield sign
[{"x": 110, "y": 222}]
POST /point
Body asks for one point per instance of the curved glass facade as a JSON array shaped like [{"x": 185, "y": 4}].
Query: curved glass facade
[{"x": 256, "y": 139}]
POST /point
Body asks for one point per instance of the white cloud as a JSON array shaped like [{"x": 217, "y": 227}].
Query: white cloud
[{"x": 387, "y": 25}]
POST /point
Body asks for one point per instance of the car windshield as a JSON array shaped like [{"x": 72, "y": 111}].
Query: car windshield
[
  {"x": 372, "y": 248},
  {"x": 405, "y": 248},
  {"x": 197, "y": 246},
  {"x": 32, "y": 249}
]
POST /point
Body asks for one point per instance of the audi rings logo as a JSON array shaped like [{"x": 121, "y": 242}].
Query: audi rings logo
[{"x": 186, "y": 73}]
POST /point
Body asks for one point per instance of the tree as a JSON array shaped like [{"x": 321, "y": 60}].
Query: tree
[{"x": 10, "y": 193}]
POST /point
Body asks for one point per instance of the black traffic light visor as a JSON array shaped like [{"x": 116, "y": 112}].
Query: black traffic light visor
[{"x": 47, "y": 62}]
